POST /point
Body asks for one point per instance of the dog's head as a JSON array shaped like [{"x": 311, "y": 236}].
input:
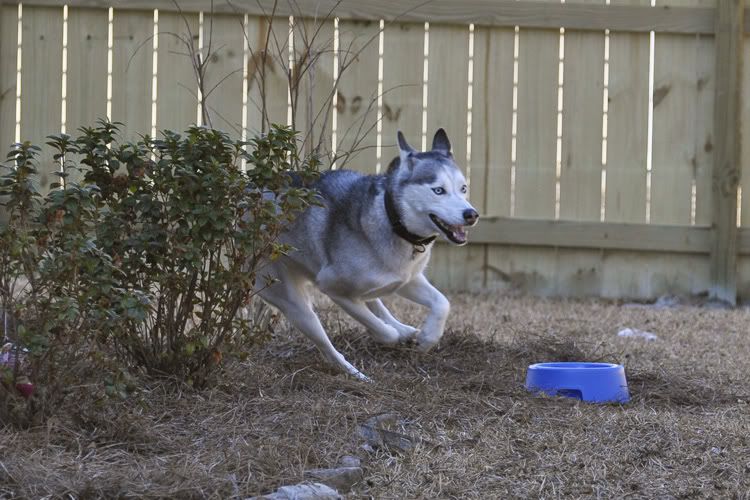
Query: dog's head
[{"x": 432, "y": 191}]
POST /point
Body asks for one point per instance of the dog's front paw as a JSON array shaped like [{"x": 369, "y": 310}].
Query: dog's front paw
[
  {"x": 427, "y": 340},
  {"x": 407, "y": 333},
  {"x": 386, "y": 334}
]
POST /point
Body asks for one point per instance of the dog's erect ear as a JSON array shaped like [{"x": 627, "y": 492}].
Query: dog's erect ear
[
  {"x": 404, "y": 150},
  {"x": 402, "y": 144},
  {"x": 441, "y": 143}
]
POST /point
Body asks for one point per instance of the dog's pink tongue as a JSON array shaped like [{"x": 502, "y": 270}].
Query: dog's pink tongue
[{"x": 459, "y": 233}]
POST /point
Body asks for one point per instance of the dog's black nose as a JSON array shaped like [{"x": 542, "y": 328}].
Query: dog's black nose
[{"x": 471, "y": 216}]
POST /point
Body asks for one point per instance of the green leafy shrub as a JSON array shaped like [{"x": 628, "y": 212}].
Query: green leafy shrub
[
  {"x": 57, "y": 286},
  {"x": 144, "y": 253},
  {"x": 189, "y": 228}
]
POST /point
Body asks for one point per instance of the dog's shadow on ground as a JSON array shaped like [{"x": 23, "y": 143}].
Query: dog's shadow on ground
[{"x": 463, "y": 362}]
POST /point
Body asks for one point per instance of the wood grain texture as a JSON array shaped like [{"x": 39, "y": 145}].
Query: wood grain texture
[
  {"x": 581, "y": 234},
  {"x": 616, "y": 259},
  {"x": 267, "y": 73},
  {"x": 704, "y": 150},
  {"x": 578, "y": 261},
  {"x": 254, "y": 43},
  {"x": 41, "y": 83},
  {"x": 312, "y": 91},
  {"x": 682, "y": 132},
  {"x": 534, "y": 187},
  {"x": 357, "y": 95},
  {"x": 86, "y": 100},
  {"x": 447, "y": 87},
  {"x": 537, "y": 124},
  {"x": 743, "y": 241},
  {"x": 8, "y": 54},
  {"x": 177, "y": 87},
  {"x": 224, "y": 73},
  {"x": 132, "y": 66},
  {"x": 581, "y": 155},
  {"x": 86, "y": 80},
  {"x": 604, "y": 273},
  {"x": 728, "y": 140},
  {"x": 743, "y": 282},
  {"x": 447, "y": 107},
  {"x": 627, "y": 130},
  {"x": 507, "y": 13},
  {"x": 683, "y": 113},
  {"x": 492, "y": 128},
  {"x": 492, "y": 121},
  {"x": 745, "y": 150},
  {"x": 403, "y": 65}
]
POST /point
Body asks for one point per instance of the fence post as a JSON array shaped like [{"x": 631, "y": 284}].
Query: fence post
[{"x": 727, "y": 141}]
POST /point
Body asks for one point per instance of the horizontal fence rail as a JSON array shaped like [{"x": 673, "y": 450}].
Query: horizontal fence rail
[
  {"x": 601, "y": 235},
  {"x": 507, "y": 13},
  {"x": 581, "y": 126}
]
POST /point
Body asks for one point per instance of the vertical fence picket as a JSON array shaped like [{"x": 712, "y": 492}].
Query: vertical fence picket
[
  {"x": 267, "y": 72},
  {"x": 447, "y": 106},
  {"x": 403, "y": 62},
  {"x": 86, "y": 94},
  {"x": 728, "y": 137},
  {"x": 627, "y": 130},
  {"x": 743, "y": 262},
  {"x": 493, "y": 117},
  {"x": 41, "y": 82},
  {"x": 313, "y": 83},
  {"x": 580, "y": 169},
  {"x": 87, "y": 68},
  {"x": 581, "y": 152},
  {"x": 254, "y": 42},
  {"x": 357, "y": 94},
  {"x": 177, "y": 87},
  {"x": 8, "y": 54},
  {"x": 537, "y": 123},
  {"x": 491, "y": 130},
  {"x": 535, "y": 167},
  {"x": 745, "y": 119},
  {"x": 447, "y": 84},
  {"x": 224, "y": 71},
  {"x": 704, "y": 149},
  {"x": 682, "y": 123},
  {"x": 132, "y": 65}
]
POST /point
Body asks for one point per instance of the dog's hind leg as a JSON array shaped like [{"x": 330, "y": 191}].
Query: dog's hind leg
[
  {"x": 294, "y": 303},
  {"x": 377, "y": 307}
]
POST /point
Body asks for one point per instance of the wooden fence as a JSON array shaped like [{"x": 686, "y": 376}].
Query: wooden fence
[{"x": 601, "y": 139}]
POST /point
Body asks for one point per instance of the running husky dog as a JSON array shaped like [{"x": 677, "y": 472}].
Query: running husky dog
[{"x": 371, "y": 238}]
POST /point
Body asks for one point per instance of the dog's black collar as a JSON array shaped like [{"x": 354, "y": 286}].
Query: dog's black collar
[{"x": 398, "y": 227}]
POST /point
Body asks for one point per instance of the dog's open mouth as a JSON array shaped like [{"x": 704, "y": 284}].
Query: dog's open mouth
[{"x": 457, "y": 234}]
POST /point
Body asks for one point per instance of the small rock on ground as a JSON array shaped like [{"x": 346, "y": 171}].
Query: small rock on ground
[
  {"x": 376, "y": 437},
  {"x": 350, "y": 461},
  {"x": 307, "y": 491},
  {"x": 341, "y": 478}
]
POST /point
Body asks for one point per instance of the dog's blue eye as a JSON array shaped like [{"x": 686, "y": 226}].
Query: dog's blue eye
[
  {"x": 463, "y": 189},
  {"x": 438, "y": 190}
]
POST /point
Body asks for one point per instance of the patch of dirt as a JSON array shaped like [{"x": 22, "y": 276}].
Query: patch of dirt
[{"x": 471, "y": 428}]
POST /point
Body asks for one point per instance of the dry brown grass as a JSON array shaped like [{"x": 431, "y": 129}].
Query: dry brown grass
[{"x": 686, "y": 432}]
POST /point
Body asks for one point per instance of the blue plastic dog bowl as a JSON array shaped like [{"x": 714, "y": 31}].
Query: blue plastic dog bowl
[{"x": 591, "y": 382}]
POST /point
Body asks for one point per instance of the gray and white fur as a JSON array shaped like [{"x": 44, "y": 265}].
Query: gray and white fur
[{"x": 350, "y": 250}]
